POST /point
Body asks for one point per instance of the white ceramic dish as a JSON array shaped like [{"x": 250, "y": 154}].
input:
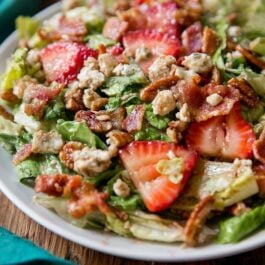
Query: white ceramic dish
[{"x": 109, "y": 243}]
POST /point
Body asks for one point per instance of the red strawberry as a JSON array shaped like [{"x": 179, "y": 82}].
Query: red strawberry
[
  {"x": 140, "y": 159},
  {"x": 228, "y": 136},
  {"x": 62, "y": 61},
  {"x": 162, "y": 18},
  {"x": 158, "y": 44}
]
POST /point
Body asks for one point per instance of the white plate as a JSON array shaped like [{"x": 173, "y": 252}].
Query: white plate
[{"x": 109, "y": 243}]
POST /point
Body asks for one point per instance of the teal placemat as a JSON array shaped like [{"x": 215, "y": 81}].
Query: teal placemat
[
  {"x": 10, "y": 9},
  {"x": 15, "y": 250}
]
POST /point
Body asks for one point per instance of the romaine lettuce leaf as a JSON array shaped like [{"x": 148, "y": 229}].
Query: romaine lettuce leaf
[
  {"x": 16, "y": 69},
  {"x": 150, "y": 134},
  {"x": 78, "y": 131},
  {"x": 236, "y": 228},
  {"x": 26, "y": 27}
]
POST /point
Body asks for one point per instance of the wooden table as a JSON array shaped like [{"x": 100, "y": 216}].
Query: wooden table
[{"x": 16, "y": 221}]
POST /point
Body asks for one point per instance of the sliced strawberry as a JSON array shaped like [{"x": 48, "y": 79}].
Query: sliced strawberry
[
  {"x": 140, "y": 159},
  {"x": 228, "y": 136},
  {"x": 162, "y": 17},
  {"x": 62, "y": 61},
  {"x": 157, "y": 43}
]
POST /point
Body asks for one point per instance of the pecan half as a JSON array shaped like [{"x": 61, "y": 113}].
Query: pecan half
[
  {"x": 197, "y": 219},
  {"x": 251, "y": 57},
  {"x": 210, "y": 41},
  {"x": 74, "y": 99},
  {"x": 247, "y": 95},
  {"x": 149, "y": 92},
  {"x": 119, "y": 138}
]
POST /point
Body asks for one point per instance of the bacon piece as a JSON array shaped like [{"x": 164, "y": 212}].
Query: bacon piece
[
  {"x": 149, "y": 92},
  {"x": 230, "y": 97},
  {"x": 250, "y": 57},
  {"x": 58, "y": 184},
  {"x": 114, "y": 28},
  {"x": 188, "y": 92},
  {"x": 259, "y": 171},
  {"x": 5, "y": 114},
  {"x": 74, "y": 30},
  {"x": 102, "y": 121},
  {"x": 210, "y": 41},
  {"x": 192, "y": 38},
  {"x": 87, "y": 199},
  {"x": 134, "y": 121},
  {"x": 66, "y": 154},
  {"x": 197, "y": 219},
  {"x": 22, "y": 154},
  {"x": 259, "y": 148},
  {"x": 247, "y": 94},
  {"x": 36, "y": 97}
]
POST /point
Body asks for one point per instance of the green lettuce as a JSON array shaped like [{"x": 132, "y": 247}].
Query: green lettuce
[
  {"x": 96, "y": 39},
  {"x": 253, "y": 115},
  {"x": 16, "y": 69},
  {"x": 258, "y": 45},
  {"x": 236, "y": 228},
  {"x": 151, "y": 134},
  {"x": 26, "y": 27},
  {"x": 78, "y": 131},
  {"x": 159, "y": 122}
]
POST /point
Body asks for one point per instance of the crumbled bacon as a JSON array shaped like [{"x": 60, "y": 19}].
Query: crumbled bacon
[
  {"x": 134, "y": 121},
  {"x": 73, "y": 30},
  {"x": 197, "y": 219},
  {"x": 66, "y": 154},
  {"x": 5, "y": 114},
  {"x": 247, "y": 94},
  {"x": 210, "y": 41},
  {"x": 258, "y": 148},
  {"x": 251, "y": 57},
  {"x": 192, "y": 38},
  {"x": 230, "y": 97},
  {"x": 114, "y": 28},
  {"x": 149, "y": 92},
  {"x": 58, "y": 184},
  {"x": 102, "y": 121},
  {"x": 22, "y": 154},
  {"x": 36, "y": 96},
  {"x": 83, "y": 197}
]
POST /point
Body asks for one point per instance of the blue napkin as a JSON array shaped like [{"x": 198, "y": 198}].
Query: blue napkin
[
  {"x": 10, "y": 9},
  {"x": 15, "y": 250}
]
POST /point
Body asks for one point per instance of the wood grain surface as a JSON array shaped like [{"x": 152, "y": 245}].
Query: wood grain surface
[{"x": 20, "y": 224}]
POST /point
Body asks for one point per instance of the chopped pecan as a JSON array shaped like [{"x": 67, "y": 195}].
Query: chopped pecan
[
  {"x": 259, "y": 147},
  {"x": 216, "y": 76},
  {"x": 149, "y": 92},
  {"x": 118, "y": 138},
  {"x": 9, "y": 96},
  {"x": 134, "y": 121},
  {"x": 66, "y": 154},
  {"x": 5, "y": 114},
  {"x": 73, "y": 99},
  {"x": 259, "y": 171},
  {"x": 93, "y": 101},
  {"x": 247, "y": 94},
  {"x": 210, "y": 41},
  {"x": 22, "y": 154},
  {"x": 102, "y": 121},
  {"x": 251, "y": 57},
  {"x": 197, "y": 219}
]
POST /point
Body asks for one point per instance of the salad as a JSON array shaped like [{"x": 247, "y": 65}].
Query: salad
[{"x": 144, "y": 118}]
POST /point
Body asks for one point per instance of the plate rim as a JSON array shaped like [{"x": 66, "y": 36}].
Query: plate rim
[{"x": 120, "y": 252}]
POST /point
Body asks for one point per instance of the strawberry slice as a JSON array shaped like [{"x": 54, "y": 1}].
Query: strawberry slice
[
  {"x": 229, "y": 136},
  {"x": 140, "y": 159},
  {"x": 62, "y": 61},
  {"x": 162, "y": 17},
  {"x": 157, "y": 43}
]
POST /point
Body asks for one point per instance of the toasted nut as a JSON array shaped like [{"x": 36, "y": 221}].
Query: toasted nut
[{"x": 210, "y": 41}]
